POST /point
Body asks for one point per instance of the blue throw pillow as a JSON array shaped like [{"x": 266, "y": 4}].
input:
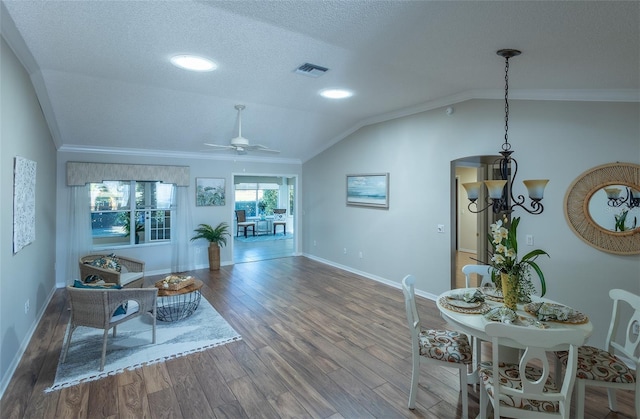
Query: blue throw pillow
[{"x": 120, "y": 310}]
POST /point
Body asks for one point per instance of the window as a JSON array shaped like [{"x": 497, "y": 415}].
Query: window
[
  {"x": 116, "y": 206},
  {"x": 256, "y": 198}
]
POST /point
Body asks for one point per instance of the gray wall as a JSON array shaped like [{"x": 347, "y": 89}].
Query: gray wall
[
  {"x": 416, "y": 150},
  {"x": 29, "y": 274},
  {"x": 158, "y": 257},
  {"x": 558, "y": 140}
]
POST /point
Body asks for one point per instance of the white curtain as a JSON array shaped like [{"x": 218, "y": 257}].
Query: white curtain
[
  {"x": 182, "y": 250},
  {"x": 79, "y": 223}
]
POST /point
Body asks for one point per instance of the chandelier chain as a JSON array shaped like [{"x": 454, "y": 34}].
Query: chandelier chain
[{"x": 506, "y": 146}]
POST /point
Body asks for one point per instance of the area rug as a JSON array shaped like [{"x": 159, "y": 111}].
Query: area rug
[
  {"x": 263, "y": 238},
  {"x": 132, "y": 347}
]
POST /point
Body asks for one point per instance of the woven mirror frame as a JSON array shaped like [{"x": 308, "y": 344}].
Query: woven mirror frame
[{"x": 576, "y": 206}]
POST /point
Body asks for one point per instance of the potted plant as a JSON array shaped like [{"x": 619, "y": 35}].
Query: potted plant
[
  {"x": 126, "y": 226},
  {"x": 514, "y": 273},
  {"x": 262, "y": 206},
  {"x": 217, "y": 238}
]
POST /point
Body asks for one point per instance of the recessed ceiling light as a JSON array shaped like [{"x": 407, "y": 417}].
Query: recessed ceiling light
[
  {"x": 193, "y": 63},
  {"x": 336, "y": 93}
]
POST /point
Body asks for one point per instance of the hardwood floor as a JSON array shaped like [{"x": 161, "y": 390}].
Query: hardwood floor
[
  {"x": 316, "y": 342},
  {"x": 261, "y": 250}
]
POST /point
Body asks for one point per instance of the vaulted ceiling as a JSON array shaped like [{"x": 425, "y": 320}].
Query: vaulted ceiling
[{"x": 101, "y": 69}]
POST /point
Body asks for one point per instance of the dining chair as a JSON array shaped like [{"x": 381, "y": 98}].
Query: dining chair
[
  {"x": 97, "y": 308},
  {"x": 279, "y": 219},
  {"x": 527, "y": 389},
  {"x": 484, "y": 278},
  {"x": 241, "y": 220},
  {"x": 483, "y": 272},
  {"x": 435, "y": 347},
  {"x": 602, "y": 367}
]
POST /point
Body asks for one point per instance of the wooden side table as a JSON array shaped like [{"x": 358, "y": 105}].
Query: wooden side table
[{"x": 179, "y": 304}]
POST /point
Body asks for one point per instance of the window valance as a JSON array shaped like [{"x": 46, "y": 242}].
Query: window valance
[{"x": 81, "y": 173}]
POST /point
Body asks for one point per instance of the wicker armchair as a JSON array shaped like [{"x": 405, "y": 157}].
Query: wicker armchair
[
  {"x": 95, "y": 308},
  {"x": 130, "y": 276}
]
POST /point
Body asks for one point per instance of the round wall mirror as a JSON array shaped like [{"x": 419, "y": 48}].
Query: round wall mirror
[{"x": 602, "y": 206}]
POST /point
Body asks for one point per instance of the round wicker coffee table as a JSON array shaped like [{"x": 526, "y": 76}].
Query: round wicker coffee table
[{"x": 179, "y": 304}]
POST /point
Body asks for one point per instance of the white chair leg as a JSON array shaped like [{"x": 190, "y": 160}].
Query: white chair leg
[
  {"x": 476, "y": 344},
  {"x": 415, "y": 373},
  {"x": 463, "y": 392},
  {"x": 579, "y": 387},
  {"x": 484, "y": 402},
  {"x": 613, "y": 405}
]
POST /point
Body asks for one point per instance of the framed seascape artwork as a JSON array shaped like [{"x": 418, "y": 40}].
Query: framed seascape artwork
[
  {"x": 210, "y": 192},
  {"x": 368, "y": 190}
]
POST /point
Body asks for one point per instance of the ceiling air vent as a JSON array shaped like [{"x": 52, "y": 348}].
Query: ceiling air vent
[{"x": 311, "y": 70}]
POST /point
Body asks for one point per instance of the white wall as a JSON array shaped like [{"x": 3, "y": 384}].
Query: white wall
[
  {"x": 29, "y": 274},
  {"x": 158, "y": 257},
  {"x": 558, "y": 140}
]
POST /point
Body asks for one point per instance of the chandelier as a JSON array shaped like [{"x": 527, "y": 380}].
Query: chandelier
[
  {"x": 631, "y": 200},
  {"x": 501, "y": 198}
]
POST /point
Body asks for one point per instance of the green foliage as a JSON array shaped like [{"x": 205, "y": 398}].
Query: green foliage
[
  {"x": 216, "y": 235},
  {"x": 125, "y": 219},
  {"x": 504, "y": 243},
  {"x": 210, "y": 195},
  {"x": 270, "y": 201},
  {"x": 621, "y": 221}
]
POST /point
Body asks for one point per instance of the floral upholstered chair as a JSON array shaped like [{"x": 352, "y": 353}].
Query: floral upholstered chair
[
  {"x": 605, "y": 367},
  {"x": 526, "y": 388},
  {"x": 436, "y": 347}
]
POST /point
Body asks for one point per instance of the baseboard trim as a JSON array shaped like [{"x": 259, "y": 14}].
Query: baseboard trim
[
  {"x": 17, "y": 357},
  {"x": 367, "y": 275}
]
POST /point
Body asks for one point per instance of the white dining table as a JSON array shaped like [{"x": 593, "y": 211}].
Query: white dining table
[{"x": 474, "y": 324}]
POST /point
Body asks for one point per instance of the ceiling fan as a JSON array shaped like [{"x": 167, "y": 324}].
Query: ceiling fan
[{"x": 240, "y": 144}]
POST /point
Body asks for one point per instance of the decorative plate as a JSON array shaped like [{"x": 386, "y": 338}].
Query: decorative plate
[
  {"x": 575, "y": 317},
  {"x": 481, "y": 309},
  {"x": 530, "y": 322},
  {"x": 463, "y": 304},
  {"x": 492, "y": 294}
]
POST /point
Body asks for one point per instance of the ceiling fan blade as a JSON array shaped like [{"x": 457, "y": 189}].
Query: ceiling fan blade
[
  {"x": 240, "y": 144},
  {"x": 260, "y": 147},
  {"x": 220, "y": 147}
]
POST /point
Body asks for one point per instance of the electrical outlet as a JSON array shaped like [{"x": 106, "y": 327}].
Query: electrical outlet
[
  {"x": 529, "y": 240},
  {"x": 314, "y": 243},
  {"x": 344, "y": 250},
  {"x": 26, "y": 307},
  {"x": 440, "y": 228},
  {"x": 360, "y": 255}
]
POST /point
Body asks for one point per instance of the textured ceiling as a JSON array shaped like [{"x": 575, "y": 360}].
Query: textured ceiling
[{"x": 101, "y": 69}]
